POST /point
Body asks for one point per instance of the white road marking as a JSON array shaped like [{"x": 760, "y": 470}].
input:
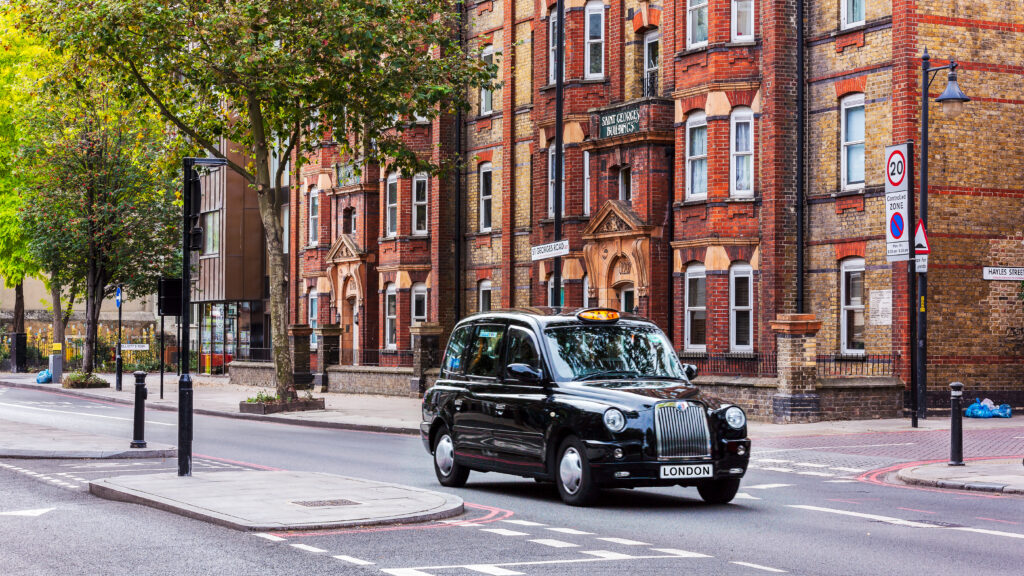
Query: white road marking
[
  {"x": 989, "y": 532},
  {"x": 503, "y": 532},
  {"x": 83, "y": 414},
  {"x": 810, "y": 465},
  {"x": 418, "y": 571},
  {"x": 745, "y": 496},
  {"x": 608, "y": 554},
  {"x": 844, "y": 481},
  {"x": 407, "y": 572},
  {"x": 29, "y": 513},
  {"x": 766, "y": 486},
  {"x": 811, "y": 473},
  {"x": 843, "y": 469},
  {"x": 624, "y": 541},
  {"x": 772, "y": 460},
  {"x": 681, "y": 553},
  {"x": 493, "y": 570},
  {"x": 571, "y": 531},
  {"x": 308, "y": 548},
  {"x": 270, "y": 537},
  {"x": 555, "y": 543},
  {"x": 523, "y": 522},
  {"x": 775, "y": 469},
  {"x": 759, "y": 567},
  {"x": 352, "y": 560},
  {"x": 830, "y": 447},
  {"x": 876, "y": 517}
]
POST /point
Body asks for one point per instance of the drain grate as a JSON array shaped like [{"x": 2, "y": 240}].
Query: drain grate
[{"x": 326, "y": 503}]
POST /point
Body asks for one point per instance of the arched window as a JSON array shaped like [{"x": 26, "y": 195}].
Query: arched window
[
  {"x": 696, "y": 156},
  {"x": 594, "y": 55},
  {"x": 741, "y": 308},
  {"x": 390, "y": 316},
  {"x": 391, "y": 213},
  {"x": 851, "y": 319},
  {"x": 486, "y": 93},
  {"x": 696, "y": 309},
  {"x": 419, "y": 302},
  {"x": 484, "y": 296},
  {"x": 741, "y": 150},
  {"x": 852, "y": 137}
]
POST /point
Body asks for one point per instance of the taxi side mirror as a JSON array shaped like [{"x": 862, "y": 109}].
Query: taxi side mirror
[
  {"x": 690, "y": 371},
  {"x": 524, "y": 373}
]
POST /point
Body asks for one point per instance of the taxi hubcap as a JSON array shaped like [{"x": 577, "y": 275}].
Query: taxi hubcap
[
  {"x": 571, "y": 470},
  {"x": 444, "y": 455}
]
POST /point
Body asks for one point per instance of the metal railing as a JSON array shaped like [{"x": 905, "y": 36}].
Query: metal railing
[
  {"x": 255, "y": 355},
  {"x": 650, "y": 81},
  {"x": 759, "y": 364},
  {"x": 879, "y": 365}
]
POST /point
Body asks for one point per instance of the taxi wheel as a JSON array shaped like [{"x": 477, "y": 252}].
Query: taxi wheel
[
  {"x": 719, "y": 491},
  {"x": 572, "y": 474},
  {"x": 449, "y": 472}
]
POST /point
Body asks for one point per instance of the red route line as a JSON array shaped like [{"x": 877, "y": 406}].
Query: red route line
[
  {"x": 493, "y": 515},
  {"x": 874, "y": 477}
]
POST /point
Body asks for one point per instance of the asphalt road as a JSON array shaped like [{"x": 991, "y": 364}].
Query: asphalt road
[{"x": 807, "y": 506}]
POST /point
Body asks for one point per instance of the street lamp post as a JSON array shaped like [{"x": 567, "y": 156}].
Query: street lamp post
[{"x": 952, "y": 100}]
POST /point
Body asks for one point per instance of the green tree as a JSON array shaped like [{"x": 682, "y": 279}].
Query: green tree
[
  {"x": 276, "y": 78},
  {"x": 100, "y": 210}
]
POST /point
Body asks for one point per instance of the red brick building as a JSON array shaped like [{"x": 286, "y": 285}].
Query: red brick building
[{"x": 683, "y": 167}]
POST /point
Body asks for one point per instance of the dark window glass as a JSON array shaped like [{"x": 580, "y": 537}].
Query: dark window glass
[
  {"x": 620, "y": 350},
  {"x": 456, "y": 345},
  {"x": 484, "y": 358},
  {"x": 521, "y": 349}
]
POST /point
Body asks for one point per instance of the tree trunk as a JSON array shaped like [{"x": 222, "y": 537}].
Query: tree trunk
[
  {"x": 19, "y": 308},
  {"x": 93, "y": 302}
]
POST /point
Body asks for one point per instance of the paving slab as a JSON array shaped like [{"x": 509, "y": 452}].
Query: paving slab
[
  {"x": 1005, "y": 475},
  {"x": 21, "y": 440},
  {"x": 265, "y": 500}
]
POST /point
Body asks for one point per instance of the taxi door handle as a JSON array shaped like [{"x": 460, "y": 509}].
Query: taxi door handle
[
  {"x": 458, "y": 404},
  {"x": 500, "y": 409}
]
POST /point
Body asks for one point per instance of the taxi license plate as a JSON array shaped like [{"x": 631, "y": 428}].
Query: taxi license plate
[{"x": 687, "y": 471}]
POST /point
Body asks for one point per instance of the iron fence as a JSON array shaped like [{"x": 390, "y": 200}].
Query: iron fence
[
  {"x": 759, "y": 364},
  {"x": 879, "y": 365}
]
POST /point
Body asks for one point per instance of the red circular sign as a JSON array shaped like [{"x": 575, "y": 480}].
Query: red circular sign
[{"x": 896, "y": 168}]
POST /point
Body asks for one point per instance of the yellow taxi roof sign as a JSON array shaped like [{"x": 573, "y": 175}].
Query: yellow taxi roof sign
[{"x": 599, "y": 315}]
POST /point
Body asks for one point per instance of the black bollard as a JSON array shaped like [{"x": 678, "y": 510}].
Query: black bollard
[
  {"x": 956, "y": 427},
  {"x": 140, "y": 411}
]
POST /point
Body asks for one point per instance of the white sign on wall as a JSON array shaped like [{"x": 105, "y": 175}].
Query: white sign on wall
[
  {"x": 545, "y": 251},
  {"x": 880, "y": 308},
  {"x": 1003, "y": 273}
]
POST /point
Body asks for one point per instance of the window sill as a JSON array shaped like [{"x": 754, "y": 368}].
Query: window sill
[
  {"x": 741, "y": 43},
  {"x": 853, "y": 28},
  {"x": 850, "y": 357},
  {"x": 692, "y": 50},
  {"x": 848, "y": 192},
  {"x": 484, "y": 116},
  {"x": 693, "y": 355},
  {"x": 692, "y": 202},
  {"x": 741, "y": 355},
  {"x": 741, "y": 199}
]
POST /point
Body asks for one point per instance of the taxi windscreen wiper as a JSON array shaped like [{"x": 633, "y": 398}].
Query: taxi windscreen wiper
[{"x": 601, "y": 373}]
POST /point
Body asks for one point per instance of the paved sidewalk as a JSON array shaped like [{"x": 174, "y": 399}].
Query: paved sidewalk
[
  {"x": 1004, "y": 475},
  {"x": 277, "y": 500}
]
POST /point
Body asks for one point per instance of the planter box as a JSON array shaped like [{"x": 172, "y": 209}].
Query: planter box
[
  {"x": 274, "y": 407},
  {"x": 98, "y": 383}
]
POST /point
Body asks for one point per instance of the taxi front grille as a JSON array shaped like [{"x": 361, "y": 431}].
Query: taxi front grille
[{"x": 682, "y": 430}]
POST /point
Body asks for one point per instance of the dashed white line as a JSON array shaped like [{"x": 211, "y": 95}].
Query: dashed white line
[
  {"x": 608, "y": 554},
  {"x": 745, "y": 496},
  {"x": 308, "y": 548},
  {"x": 766, "y": 486},
  {"x": 759, "y": 567},
  {"x": 844, "y": 469},
  {"x": 270, "y": 537},
  {"x": 554, "y": 543},
  {"x": 681, "y": 553},
  {"x": 572, "y": 531},
  {"x": 351, "y": 560},
  {"x": 876, "y": 517},
  {"x": 812, "y": 473},
  {"x": 775, "y": 469},
  {"x": 772, "y": 460},
  {"x": 624, "y": 541},
  {"x": 493, "y": 570},
  {"x": 810, "y": 464},
  {"x": 989, "y": 532},
  {"x": 503, "y": 532},
  {"x": 405, "y": 572},
  {"x": 523, "y": 522}
]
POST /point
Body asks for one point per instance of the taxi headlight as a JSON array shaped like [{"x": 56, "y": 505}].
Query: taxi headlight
[
  {"x": 735, "y": 417},
  {"x": 614, "y": 420}
]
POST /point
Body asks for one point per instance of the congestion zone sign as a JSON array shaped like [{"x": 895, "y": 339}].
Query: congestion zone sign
[{"x": 897, "y": 200}]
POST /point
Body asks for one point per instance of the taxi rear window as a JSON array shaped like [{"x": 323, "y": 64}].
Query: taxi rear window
[{"x": 452, "y": 363}]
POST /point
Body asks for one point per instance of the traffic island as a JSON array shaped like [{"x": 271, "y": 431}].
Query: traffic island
[
  {"x": 262, "y": 500},
  {"x": 21, "y": 440}
]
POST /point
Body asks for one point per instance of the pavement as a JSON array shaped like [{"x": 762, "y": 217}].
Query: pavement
[{"x": 253, "y": 500}]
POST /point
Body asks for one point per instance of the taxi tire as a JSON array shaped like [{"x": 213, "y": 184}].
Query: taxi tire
[
  {"x": 719, "y": 491},
  {"x": 458, "y": 475},
  {"x": 587, "y": 492}
]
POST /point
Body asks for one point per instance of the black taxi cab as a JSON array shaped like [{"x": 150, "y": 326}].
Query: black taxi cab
[{"x": 587, "y": 399}]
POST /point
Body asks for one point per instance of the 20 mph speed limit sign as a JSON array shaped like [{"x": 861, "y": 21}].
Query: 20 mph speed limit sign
[{"x": 897, "y": 192}]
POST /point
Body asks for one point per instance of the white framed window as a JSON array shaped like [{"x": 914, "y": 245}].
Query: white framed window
[
  {"x": 312, "y": 310},
  {"x": 586, "y": 183},
  {"x": 553, "y": 47},
  {"x": 594, "y": 55},
  {"x": 696, "y": 156},
  {"x": 742, "y": 20},
  {"x": 852, "y": 137},
  {"x": 741, "y": 150},
  {"x": 586, "y": 292},
  {"x": 419, "y": 302},
  {"x": 483, "y": 294},
  {"x": 554, "y": 300},
  {"x": 391, "y": 207},
  {"x": 314, "y": 216},
  {"x": 696, "y": 309},
  {"x": 486, "y": 94},
  {"x": 652, "y": 61},
  {"x": 852, "y": 13},
  {"x": 551, "y": 181},
  {"x": 627, "y": 298},
  {"x": 390, "y": 316},
  {"x": 420, "y": 187},
  {"x": 625, "y": 184},
  {"x": 696, "y": 23},
  {"x": 741, "y": 308},
  {"x": 211, "y": 233},
  {"x": 851, "y": 295},
  {"x": 486, "y": 196},
  {"x": 286, "y": 227}
]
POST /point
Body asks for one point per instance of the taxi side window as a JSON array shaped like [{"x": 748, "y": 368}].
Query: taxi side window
[
  {"x": 484, "y": 358},
  {"x": 521, "y": 349},
  {"x": 452, "y": 364}
]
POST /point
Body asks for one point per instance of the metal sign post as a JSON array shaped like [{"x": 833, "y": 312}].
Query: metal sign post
[
  {"x": 899, "y": 214},
  {"x": 117, "y": 361}
]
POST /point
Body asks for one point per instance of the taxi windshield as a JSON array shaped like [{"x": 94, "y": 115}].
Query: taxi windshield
[{"x": 590, "y": 352}]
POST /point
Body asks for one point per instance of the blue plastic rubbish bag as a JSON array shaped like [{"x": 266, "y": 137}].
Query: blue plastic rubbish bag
[
  {"x": 987, "y": 409},
  {"x": 44, "y": 377}
]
